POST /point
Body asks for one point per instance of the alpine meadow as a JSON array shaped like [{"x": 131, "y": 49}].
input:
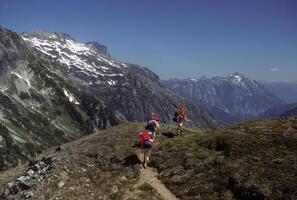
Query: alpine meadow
[{"x": 148, "y": 100}]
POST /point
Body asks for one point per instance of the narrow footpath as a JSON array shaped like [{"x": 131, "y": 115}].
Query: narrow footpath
[{"x": 150, "y": 176}]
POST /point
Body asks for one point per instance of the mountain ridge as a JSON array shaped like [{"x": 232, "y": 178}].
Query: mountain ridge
[
  {"x": 132, "y": 90},
  {"x": 235, "y": 95},
  {"x": 285, "y": 90},
  {"x": 45, "y": 102},
  {"x": 40, "y": 107}
]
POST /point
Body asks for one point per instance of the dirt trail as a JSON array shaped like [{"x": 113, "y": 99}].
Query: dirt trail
[{"x": 150, "y": 176}]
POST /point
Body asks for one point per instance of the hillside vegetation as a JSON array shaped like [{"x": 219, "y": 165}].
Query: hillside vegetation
[{"x": 254, "y": 160}]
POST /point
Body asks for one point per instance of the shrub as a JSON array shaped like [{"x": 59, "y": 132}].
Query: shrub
[{"x": 24, "y": 95}]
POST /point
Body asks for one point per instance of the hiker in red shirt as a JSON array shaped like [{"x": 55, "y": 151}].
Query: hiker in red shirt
[{"x": 179, "y": 117}]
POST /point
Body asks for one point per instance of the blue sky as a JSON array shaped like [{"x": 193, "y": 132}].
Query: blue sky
[{"x": 175, "y": 38}]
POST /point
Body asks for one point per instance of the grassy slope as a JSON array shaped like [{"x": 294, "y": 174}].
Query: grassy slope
[
  {"x": 254, "y": 160},
  {"x": 99, "y": 166}
]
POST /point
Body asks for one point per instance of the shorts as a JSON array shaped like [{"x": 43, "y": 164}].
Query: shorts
[
  {"x": 147, "y": 145},
  {"x": 180, "y": 124}
]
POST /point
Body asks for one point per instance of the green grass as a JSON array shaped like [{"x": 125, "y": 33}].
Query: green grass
[
  {"x": 19, "y": 132},
  {"x": 36, "y": 82},
  {"x": 12, "y": 87}
]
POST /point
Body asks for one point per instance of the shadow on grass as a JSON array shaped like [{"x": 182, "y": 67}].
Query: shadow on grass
[
  {"x": 136, "y": 145},
  {"x": 169, "y": 134},
  {"x": 131, "y": 160}
]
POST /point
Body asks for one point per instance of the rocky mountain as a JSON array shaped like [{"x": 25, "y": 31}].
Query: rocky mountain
[
  {"x": 290, "y": 113},
  {"x": 284, "y": 90},
  {"x": 59, "y": 90},
  {"x": 133, "y": 91},
  {"x": 235, "y": 97},
  {"x": 227, "y": 118},
  {"x": 278, "y": 111},
  {"x": 39, "y": 106},
  {"x": 239, "y": 162}
]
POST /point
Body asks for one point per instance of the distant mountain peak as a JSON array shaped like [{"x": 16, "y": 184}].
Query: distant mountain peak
[
  {"x": 237, "y": 74},
  {"x": 48, "y": 35},
  {"x": 65, "y": 37},
  {"x": 237, "y": 77},
  {"x": 194, "y": 79},
  {"x": 234, "y": 94},
  {"x": 88, "y": 62}
]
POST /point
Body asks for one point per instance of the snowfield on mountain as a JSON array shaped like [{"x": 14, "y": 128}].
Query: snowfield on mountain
[{"x": 127, "y": 88}]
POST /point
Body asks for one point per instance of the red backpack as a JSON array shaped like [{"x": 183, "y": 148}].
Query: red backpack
[
  {"x": 156, "y": 118},
  {"x": 144, "y": 137}
]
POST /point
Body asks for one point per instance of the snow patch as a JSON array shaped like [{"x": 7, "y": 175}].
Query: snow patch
[
  {"x": 70, "y": 97},
  {"x": 124, "y": 65},
  {"x": 53, "y": 36},
  {"x": 3, "y": 89},
  {"x": 193, "y": 79},
  {"x": 16, "y": 138},
  {"x": 76, "y": 47},
  {"x": 236, "y": 78},
  {"x": 76, "y": 55},
  {"x": 111, "y": 82},
  {"x": 22, "y": 78}
]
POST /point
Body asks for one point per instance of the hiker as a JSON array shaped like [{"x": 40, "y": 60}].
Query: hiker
[
  {"x": 155, "y": 117},
  {"x": 153, "y": 123},
  {"x": 179, "y": 117},
  {"x": 147, "y": 139}
]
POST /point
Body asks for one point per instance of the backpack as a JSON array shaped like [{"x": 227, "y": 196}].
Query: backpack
[
  {"x": 179, "y": 114},
  {"x": 145, "y": 139},
  {"x": 175, "y": 119},
  {"x": 156, "y": 118},
  {"x": 176, "y": 116},
  {"x": 151, "y": 125}
]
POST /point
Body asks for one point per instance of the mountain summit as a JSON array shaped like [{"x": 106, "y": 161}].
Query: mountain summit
[
  {"x": 133, "y": 91},
  {"x": 234, "y": 95}
]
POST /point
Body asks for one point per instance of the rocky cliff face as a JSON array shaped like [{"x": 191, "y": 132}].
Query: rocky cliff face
[
  {"x": 39, "y": 106},
  {"x": 134, "y": 92},
  {"x": 234, "y": 95}
]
